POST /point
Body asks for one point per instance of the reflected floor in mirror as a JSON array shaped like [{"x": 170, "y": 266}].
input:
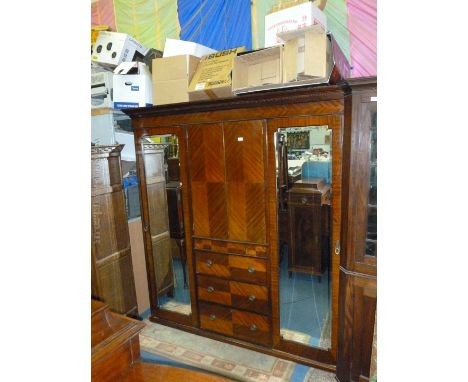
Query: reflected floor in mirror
[
  {"x": 181, "y": 301},
  {"x": 304, "y": 307}
]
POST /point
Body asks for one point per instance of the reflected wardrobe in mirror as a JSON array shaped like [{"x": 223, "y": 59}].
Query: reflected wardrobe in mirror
[
  {"x": 164, "y": 193},
  {"x": 303, "y": 157}
]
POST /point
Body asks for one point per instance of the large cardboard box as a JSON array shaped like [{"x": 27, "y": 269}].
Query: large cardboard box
[
  {"x": 132, "y": 85},
  {"x": 309, "y": 59},
  {"x": 301, "y": 16},
  {"x": 101, "y": 88},
  {"x": 257, "y": 68},
  {"x": 212, "y": 78},
  {"x": 171, "y": 78},
  {"x": 174, "y": 47},
  {"x": 112, "y": 48}
]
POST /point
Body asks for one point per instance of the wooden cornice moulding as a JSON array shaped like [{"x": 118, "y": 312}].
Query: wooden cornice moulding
[{"x": 257, "y": 99}]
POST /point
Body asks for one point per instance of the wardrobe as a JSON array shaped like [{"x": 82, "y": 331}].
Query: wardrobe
[{"x": 262, "y": 220}]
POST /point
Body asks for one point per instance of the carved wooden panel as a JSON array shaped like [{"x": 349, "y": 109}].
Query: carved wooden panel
[{"x": 112, "y": 272}]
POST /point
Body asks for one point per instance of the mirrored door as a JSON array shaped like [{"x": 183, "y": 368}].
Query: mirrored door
[
  {"x": 166, "y": 224},
  {"x": 304, "y": 184}
]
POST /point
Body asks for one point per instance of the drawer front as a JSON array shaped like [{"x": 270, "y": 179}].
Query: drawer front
[
  {"x": 216, "y": 318},
  {"x": 233, "y": 293},
  {"x": 249, "y": 297},
  {"x": 213, "y": 289},
  {"x": 251, "y": 327},
  {"x": 314, "y": 199},
  {"x": 239, "y": 268},
  {"x": 248, "y": 269},
  {"x": 212, "y": 264},
  {"x": 246, "y": 326}
]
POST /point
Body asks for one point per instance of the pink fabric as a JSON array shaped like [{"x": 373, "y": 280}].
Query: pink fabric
[
  {"x": 362, "y": 25},
  {"x": 102, "y": 13}
]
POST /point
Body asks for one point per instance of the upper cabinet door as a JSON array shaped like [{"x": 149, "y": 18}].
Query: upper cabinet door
[
  {"x": 360, "y": 185},
  {"x": 245, "y": 177},
  {"x": 227, "y": 178},
  {"x": 208, "y": 181}
]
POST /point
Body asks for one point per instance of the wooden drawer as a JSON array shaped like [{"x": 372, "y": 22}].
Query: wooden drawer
[
  {"x": 233, "y": 293},
  {"x": 247, "y": 326},
  {"x": 216, "y": 318},
  {"x": 314, "y": 199},
  {"x": 239, "y": 268}
]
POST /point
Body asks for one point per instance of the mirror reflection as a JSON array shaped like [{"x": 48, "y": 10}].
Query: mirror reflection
[
  {"x": 304, "y": 177},
  {"x": 164, "y": 191}
]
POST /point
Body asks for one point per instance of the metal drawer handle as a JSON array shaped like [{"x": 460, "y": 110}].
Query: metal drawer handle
[
  {"x": 212, "y": 317},
  {"x": 252, "y": 298},
  {"x": 303, "y": 200},
  {"x": 253, "y": 328},
  {"x": 209, "y": 263},
  {"x": 251, "y": 270},
  {"x": 210, "y": 289}
]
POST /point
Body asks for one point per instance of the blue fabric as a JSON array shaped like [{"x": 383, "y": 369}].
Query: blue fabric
[
  {"x": 217, "y": 24},
  {"x": 314, "y": 169}
]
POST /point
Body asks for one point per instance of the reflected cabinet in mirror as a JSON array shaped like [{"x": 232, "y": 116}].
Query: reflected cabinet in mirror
[
  {"x": 304, "y": 182},
  {"x": 166, "y": 225}
]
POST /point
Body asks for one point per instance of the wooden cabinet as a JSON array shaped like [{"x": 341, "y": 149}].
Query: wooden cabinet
[
  {"x": 308, "y": 205},
  {"x": 111, "y": 262},
  {"x": 230, "y": 203},
  {"x": 358, "y": 271}
]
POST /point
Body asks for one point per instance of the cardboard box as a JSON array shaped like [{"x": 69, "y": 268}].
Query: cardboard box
[
  {"x": 310, "y": 57},
  {"x": 257, "y": 68},
  {"x": 171, "y": 78},
  {"x": 174, "y": 47},
  {"x": 301, "y": 16},
  {"x": 132, "y": 86},
  {"x": 111, "y": 49},
  {"x": 212, "y": 78},
  {"x": 319, "y": 60}
]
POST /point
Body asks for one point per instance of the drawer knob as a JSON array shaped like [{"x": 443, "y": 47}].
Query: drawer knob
[
  {"x": 251, "y": 270},
  {"x": 252, "y": 297},
  {"x": 210, "y": 289},
  {"x": 303, "y": 200},
  {"x": 212, "y": 317},
  {"x": 253, "y": 328},
  {"x": 209, "y": 263}
]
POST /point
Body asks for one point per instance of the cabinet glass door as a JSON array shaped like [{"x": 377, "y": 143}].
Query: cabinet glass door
[{"x": 371, "y": 233}]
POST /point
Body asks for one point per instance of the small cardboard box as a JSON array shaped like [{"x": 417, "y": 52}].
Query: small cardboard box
[
  {"x": 298, "y": 17},
  {"x": 310, "y": 57},
  {"x": 132, "y": 85},
  {"x": 171, "y": 78},
  {"x": 112, "y": 48},
  {"x": 212, "y": 78},
  {"x": 257, "y": 68},
  {"x": 174, "y": 47}
]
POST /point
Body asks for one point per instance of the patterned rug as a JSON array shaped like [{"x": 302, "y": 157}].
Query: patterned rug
[
  {"x": 292, "y": 335},
  {"x": 177, "y": 307},
  {"x": 220, "y": 358}
]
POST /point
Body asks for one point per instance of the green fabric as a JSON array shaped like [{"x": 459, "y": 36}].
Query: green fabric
[
  {"x": 259, "y": 9},
  {"x": 337, "y": 23},
  {"x": 148, "y": 21}
]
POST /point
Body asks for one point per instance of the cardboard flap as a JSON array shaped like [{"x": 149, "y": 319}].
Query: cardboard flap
[
  {"x": 132, "y": 67},
  {"x": 317, "y": 54},
  {"x": 290, "y": 60}
]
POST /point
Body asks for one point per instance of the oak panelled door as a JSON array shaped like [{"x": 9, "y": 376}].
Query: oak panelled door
[{"x": 304, "y": 188}]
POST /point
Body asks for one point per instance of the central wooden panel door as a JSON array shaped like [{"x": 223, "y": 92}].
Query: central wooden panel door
[{"x": 227, "y": 169}]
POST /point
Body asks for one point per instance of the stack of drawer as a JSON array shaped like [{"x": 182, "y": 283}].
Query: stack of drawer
[{"x": 233, "y": 296}]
